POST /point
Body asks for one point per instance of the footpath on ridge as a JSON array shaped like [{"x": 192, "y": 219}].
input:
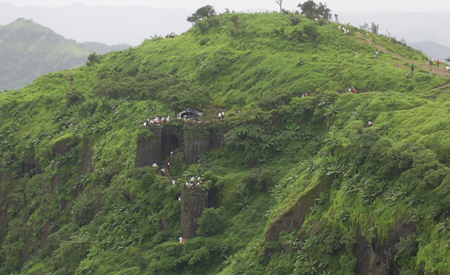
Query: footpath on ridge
[{"x": 440, "y": 71}]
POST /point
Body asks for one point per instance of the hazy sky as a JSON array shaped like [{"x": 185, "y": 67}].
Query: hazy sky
[{"x": 244, "y": 5}]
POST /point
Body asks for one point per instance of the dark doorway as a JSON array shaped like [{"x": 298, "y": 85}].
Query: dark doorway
[{"x": 174, "y": 143}]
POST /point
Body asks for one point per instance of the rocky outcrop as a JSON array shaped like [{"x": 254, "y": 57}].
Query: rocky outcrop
[
  {"x": 377, "y": 259},
  {"x": 86, "y": 158},
  {"x": 293, "y": 218},
  {"x": 63, "y": 145}
]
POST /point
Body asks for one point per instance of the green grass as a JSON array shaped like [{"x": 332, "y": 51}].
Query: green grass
[{"x": 118, "y": 218}]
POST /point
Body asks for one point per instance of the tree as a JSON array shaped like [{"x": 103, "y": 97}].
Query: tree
[
  {"x": 374, "y": 28},
  {"x": 202, "y": 13},
  {"x": 312, "y": 10},
  {"x": 280, "y": 3},
  {"x": 93, "y": 58}
]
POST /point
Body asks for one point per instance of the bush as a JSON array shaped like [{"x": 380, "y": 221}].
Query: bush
[
  {"x": 212, "y": 222},
  {"x": 83, "y": 210}
]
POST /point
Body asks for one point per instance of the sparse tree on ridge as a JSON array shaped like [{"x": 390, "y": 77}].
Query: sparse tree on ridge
[
  {"x": 312, "y": 10},
  {"x": 374, "y": 28},
  {"x": 280, "y": 3},
  {"x": 202, "y": 13}
]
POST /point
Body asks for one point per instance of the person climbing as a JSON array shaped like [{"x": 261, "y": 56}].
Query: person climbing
[
  {"x": 376, "y": 54},
  {"x": 412, "y": 69},
  {"x": 162, "y": 172},
  {"x": 180, "y": 239},
  {"x": 438, "y": 62},
  {"x": 369, "y": 124},
  {"x": 168, "y": 165},
  {"x": 173, "y": 182},
  {"x": 223, "y": 114},
  {"x": 219, "y": 115},
  {"x": 356, "y": 55},
  {"x": 407, "y": 74},
  {"x": 171, "y": 154}
]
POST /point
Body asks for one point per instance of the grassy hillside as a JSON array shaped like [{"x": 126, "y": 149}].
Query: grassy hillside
[
  {"x": 29, "y": 50},
  {"x": 304, "y": 186}
]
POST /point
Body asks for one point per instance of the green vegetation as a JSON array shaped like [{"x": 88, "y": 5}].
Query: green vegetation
[{"x": 303, "y": 185}]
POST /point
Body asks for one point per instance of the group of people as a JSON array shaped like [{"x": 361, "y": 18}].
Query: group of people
[
  {"x": 430, "y": 61},
  {"x": 343, "y": 29},
  {"x": 162, "y": 168},
  {"x": 305, "y": 95},
  {"x": 193, "y": 182},
  {"x": 353, "y": 90},
  {"x": 157, "y": 120},
  {"x": 221, "y": 115},
  {"x": 170, "y": 35}
]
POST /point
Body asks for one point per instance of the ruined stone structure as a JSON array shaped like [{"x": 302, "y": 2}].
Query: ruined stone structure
[
  {"x": 194, "y": 202},
  {"x": 192, "y": 142}
]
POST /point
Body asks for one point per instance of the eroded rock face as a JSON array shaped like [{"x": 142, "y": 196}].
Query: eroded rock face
[
  {"x": 63, "y": 146},
  {"x": 194, "y": 200},
  {"x": 86, "y": 158},
  {"x": 377, "y": 259},
  {"x": 293, "y": 218}
]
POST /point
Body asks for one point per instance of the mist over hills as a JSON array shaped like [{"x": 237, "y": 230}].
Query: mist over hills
[
  {"x": 412, "y": 26},
  {"x": 109, "y": 25},
  {"x": 101, "y": 48},
  {"x": 432, "y": 49},
  {"x": 29, "y": 50}
]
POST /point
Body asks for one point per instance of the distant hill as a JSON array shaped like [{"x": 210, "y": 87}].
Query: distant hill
[
  {"x": 109, "y": 25},
  {"x": 432, "y": 49},
  {"x": 101, "y": 48},
  {"x": 29, "y": 50}
]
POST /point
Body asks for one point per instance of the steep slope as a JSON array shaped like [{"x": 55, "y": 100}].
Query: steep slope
[
  {"x": 28, "y": 50},
  {"x": 302, "y": 185}
]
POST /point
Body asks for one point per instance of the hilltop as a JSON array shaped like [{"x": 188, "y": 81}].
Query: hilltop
[
  {"x": 293, "y": 181},
  {"x": 29, "y": 50}
]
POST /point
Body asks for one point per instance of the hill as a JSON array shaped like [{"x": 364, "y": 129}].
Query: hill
[
  {"x": 28, "y": 50},
  {"x": 432, "y": 49},
  {"x": 293, "y": 181},
  {"x": 108, "y": 25}
]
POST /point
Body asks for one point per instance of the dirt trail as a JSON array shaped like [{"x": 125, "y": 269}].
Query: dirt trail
[
  {"x": 441, "y": 71},
  {"x": 69, "y": 79}
]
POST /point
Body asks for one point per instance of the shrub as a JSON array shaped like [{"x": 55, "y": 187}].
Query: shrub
[{"x": 212, "y": 222}]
